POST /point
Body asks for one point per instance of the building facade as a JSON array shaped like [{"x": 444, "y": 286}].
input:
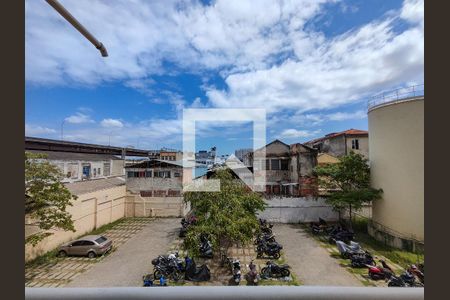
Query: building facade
[
  {"x": 341, "y": 143},
  {"x": 397, "y": 166},
  {"x": 84, "y": 166},
  {"x": 155, "y": 189},
  {"x": 288, "y": 168}
]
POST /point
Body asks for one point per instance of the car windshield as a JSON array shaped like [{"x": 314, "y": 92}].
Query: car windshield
[{"x": 101, "y": 239}]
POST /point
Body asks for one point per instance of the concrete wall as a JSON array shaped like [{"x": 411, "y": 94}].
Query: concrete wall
[
  {"x": 396, "y": 141},
  {"x": 89, "y": 211},
  {"x": 335, "y": 146},
  {"x": 297, "y": 210},
  {"x": 138, "y": 206}
]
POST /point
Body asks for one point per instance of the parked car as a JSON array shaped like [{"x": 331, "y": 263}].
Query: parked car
[{"x": 90, "y": 246}]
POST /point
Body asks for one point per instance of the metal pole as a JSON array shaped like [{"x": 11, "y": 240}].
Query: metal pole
[
  {"x": 62, "y": 130},
  {"x": 71, "y": 19}
]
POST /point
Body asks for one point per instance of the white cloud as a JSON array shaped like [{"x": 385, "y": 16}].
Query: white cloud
[
  {"x": 295, "y": 133},
  {"x": 31, "y": 130},
  {"x": 79, "y": 118},
  {"x": 341, "y": 116},
  {"x": 111, "y": 123}
]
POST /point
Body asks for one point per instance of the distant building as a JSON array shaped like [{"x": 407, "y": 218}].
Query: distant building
[
  {"x": 341, "y": 143},
  {"x": 171, "y": 155},
  {"x": 240, "y": 153},
  {"x": 155, "y": 188},
  {"x": 84, "y": 166},
  {"x": 289, "y": 168}
]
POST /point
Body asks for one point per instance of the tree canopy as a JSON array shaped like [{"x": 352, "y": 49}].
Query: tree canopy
[
  {"x": 46, "y": 198},
  {"x": 228, "y": 216},
  {"x": 351, "y": 176}
]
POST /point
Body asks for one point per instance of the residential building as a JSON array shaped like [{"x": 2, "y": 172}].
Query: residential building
[
  {"x": 84, "y": 166},
  {"x": 396, "y": 157},
  {"x": 341, "y": 143},
  {"x": 288, "y": 168},
  {"x": 170, "y": 155},
  {"x": 240, "y": 153},
  {"x": 155, "y": 188}
]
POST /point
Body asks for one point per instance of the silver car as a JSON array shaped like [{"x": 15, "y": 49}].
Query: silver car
[{"x": 90, "y": 245}]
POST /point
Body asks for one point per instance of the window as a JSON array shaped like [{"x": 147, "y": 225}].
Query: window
[
  {"x": 77, "y": 243},
  {"x": 148, "y": 173},
  {"x": 176, "y": 174},
  {"x": 101, "y": 239},
  {"x": 267, "y": 164},
  {"x": 95, "y": 172},
  {"x": 146, "y": 193},
  {"x": 355, "y": 144},
  {"x": 130, "y": 174},
  {"x": 99, "y": 171},
  {"x": 88, "y": 243},
  {"x": 284, "y": 164},
  {"x": 275, "y": 164},
  {"x": 276, "y": 189},
  {"x": 162, "y": 174}
]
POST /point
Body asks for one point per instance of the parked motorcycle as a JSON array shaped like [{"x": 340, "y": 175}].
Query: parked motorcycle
[
  {"x": 270, "y": 249},
  {"x": 185, "y": 224},
  {"x": 380, "y": 272},
  {"x": 320, "y": 227},
  {"x": 265, "y": 227},
  {"x": 194, "y": 273},
  {"x": 273, "y": 270},
  {"x": 341, "y": 235},
  {"x": 407, "y": 279},
  {"x": 270, "y": 238},
  {"x": 236, "y": 265},
  {"x": 348, "y": 250},
  {"x": 362, "y": 260},
  {"x": 252, "y": 276},
  {"x": 172, "y": 258},
  {"x": 168, "y": 271},
  {"x": 206, "y": 250},
  {"x": 413, "y": 269}
]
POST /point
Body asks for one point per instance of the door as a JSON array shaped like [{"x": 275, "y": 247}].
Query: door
[
  {"x": 76, "y": 248},
  {"x": 86, "y": 171}
]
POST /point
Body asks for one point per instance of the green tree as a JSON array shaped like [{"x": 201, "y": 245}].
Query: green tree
[
  {"x": 46, "y": 198},
  {"x": 350, "y": 181},
  {"x": 228, "y": 216}
]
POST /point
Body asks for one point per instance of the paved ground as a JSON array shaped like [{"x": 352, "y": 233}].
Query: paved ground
[
  {"x": 127, "y": 265},
  {"x": 59, "y": 272},
  {"x": 312, "y": 264}
]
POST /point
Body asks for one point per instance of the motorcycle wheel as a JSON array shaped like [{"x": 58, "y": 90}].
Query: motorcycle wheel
[
  {"x": 265, "y": 272},
  {"x": 276, "y": 255},
  {"x": 157, "y": 274},
  {"x": 285, "y": 272},
  {"x": 176, "y": 276}
]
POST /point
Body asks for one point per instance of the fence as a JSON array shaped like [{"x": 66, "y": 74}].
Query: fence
[{"x": 396, "y": 95}]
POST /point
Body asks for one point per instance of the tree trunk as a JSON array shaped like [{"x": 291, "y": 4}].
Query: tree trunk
[{"x": 351, "y": 219}]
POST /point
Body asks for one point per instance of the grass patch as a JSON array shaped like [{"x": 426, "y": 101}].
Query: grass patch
[{"x": 105, "y": 227}]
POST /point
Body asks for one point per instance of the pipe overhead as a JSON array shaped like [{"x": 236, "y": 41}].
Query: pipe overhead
[{"x": 71, "y": 19}]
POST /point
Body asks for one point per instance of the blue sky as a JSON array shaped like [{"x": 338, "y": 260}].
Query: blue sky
[{"x": 311, "y": 64}]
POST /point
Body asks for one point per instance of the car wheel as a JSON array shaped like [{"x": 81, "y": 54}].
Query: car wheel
[
  {"x": 91, "y": 254},
  {"x": 62, "y": 253}
]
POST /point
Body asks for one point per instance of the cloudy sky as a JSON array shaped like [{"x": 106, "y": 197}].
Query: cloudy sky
[{"x": 312, "y": 64}]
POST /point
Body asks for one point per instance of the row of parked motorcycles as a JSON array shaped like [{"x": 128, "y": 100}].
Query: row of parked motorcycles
[
  {"x": 172, "y": 267},
  {"x": 265, "y": 242},
  {"x": 413, "y": 276}
]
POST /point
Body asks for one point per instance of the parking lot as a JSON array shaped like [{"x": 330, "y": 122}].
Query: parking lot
[
  {"x": 59, "y": 272},
  {"x": 138, "y": 240}
]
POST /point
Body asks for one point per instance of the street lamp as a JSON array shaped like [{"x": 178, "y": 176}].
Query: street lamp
[
  {"x": 62, "y": 129},
  {"x": 66, "y": 14}
]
